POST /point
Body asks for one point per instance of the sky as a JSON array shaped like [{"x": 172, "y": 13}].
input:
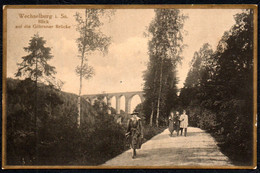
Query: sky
[{"x": 121, "y": 69}]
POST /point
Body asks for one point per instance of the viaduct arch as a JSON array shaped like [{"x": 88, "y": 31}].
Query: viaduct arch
[{"x": 128, "y": 98}]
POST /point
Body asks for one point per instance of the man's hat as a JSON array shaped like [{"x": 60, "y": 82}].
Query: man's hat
[{"x": 134, "y": 113}]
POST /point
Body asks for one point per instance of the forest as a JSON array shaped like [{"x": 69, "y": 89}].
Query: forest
[{"x": 218, "y": 91}]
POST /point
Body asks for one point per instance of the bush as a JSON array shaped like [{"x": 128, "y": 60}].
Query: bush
[
  {"x": 150, "y": 132},
  {"x": 102, "y": 140},
  {"x": 58, "y": 140}
]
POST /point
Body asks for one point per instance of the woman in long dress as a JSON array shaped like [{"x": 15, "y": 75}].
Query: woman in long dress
[
  {"x": 171, "y": 123},
  {"x": 135, "y": 133},
  {"x": 177, "y": 122}
]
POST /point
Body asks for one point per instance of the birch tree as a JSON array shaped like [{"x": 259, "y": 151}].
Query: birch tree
[{"x": 90, "y": 39}]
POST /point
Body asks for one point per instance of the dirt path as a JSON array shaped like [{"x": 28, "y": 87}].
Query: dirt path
[{"x": 198, "y": 148}]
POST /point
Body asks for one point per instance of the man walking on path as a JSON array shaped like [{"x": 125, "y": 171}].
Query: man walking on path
[{"x": 184, "y": 123}]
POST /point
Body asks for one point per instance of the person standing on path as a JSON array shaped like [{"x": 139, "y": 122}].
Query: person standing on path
[
  {"x": 177, "y": 122},
  {"x": 134, "y": 133},
  {"x": 184, "y": 123},
  {"x": 171, "y": 123}
]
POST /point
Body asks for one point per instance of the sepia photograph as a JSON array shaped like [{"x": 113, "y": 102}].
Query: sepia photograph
[{"x": 129, "y": 86}]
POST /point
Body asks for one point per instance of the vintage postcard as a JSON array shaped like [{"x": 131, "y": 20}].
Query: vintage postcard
[{"x": 129, "y": 86}]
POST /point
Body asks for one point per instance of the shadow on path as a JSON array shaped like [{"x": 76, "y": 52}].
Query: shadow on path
[{"x": 163, "y": 136}]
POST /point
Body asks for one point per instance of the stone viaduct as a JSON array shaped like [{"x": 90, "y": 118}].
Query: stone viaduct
[{"x": 128, "y": 97}]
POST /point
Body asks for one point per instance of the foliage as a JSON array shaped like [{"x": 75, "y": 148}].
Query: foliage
[
  {"x": 100, "y": 105},
  {"x": 150, "y": 132},
  {"x": 165, "y": 47},
  {"x": 59, "y": 142},
  {"x": 102, "y": 141},
  {"x": 35, "y": 65},
  {"x": 218, "y": 91}
]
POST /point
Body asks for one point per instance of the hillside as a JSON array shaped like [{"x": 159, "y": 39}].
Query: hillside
[{"x": 42, "y": 128}]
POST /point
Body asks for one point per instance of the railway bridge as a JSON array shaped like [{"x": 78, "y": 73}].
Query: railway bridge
[{"x": 128, "y": 97}]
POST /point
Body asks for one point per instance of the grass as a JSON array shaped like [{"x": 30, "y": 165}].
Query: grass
[
  {"x": 232, "y": 152},
  {"x": 150, "y": 132}
]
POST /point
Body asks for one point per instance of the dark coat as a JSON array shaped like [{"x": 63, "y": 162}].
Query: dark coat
[
  {"x": 174, "y": 123},
  {"x": 135, "y": 132},
  {"x": 171, "y": 124},
  {"x": 177, "y": 122}
]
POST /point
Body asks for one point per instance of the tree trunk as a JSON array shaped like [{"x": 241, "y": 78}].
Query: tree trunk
[
  {"x": 154, "y": 89},
  {"x": 159, "y": 98},
  {"x": 151, "y": 117},
  {"x": 36, "y": 111},
  {"x": 79, "y": 101},
  {"x": 80, "y": 88},
  {"x": 81, "y": 75}
]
